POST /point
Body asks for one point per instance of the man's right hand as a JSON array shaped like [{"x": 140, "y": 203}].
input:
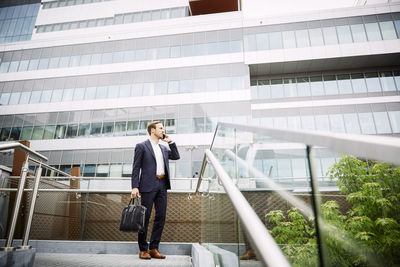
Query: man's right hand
[{"x": 135, "y": 192}]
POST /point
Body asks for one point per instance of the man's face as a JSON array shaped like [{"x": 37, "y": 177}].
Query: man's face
[{"x": 159, "y": 131}]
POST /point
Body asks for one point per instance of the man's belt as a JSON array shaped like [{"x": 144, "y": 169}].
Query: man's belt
[{"x": 160, "y": 176}]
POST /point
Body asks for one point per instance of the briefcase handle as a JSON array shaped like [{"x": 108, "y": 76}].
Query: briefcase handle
[{"x": 135, "y": 201}]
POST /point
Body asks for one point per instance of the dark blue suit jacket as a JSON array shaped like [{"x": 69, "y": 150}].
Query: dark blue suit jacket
[{"x": 145, "y": 167}]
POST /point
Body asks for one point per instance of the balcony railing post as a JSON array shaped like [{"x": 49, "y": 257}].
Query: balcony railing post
[
  {"x": 20, "y": 191},
  {"x": 27, "y": 231}
]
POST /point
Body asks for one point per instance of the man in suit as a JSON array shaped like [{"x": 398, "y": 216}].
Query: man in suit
[{"x": 150, "y": 177}]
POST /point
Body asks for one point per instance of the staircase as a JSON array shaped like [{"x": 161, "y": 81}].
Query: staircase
[
  {"x": 72, "y": 260},
  {"x": 107, "y": 253}
]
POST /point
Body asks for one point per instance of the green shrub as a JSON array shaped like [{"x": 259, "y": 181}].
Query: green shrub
[{"x": 372, "y": 223}]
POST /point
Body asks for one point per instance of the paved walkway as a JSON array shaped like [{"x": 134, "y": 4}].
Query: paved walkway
[{"x": 91, "y": 260}]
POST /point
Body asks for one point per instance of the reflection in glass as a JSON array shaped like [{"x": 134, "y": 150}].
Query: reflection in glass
[
  {"x": 262, "y": 41},
  {"x": 387, "y": 81},
  {"x": 358, "y": 83},
  {"x": 35, "y": 97},
  {"x": 72, "y": 131},
  {"x": 90, "y": 93},
  {"x": 303, "y": 86},
  {"x": 89, "y": 170},
  {"x": 5, "y": 133},
  {"x": 101, "y": 92},
  {"x": 275, "y": 40},
  {"x": 367, "y": 123},
  {"x": 26, "y": 133},
  {"x": 184, "y": 126},
  {"x": 14, "y": 99},
  {"x": 102, "y": 170},
  {"x": 388, "y": 30},
  {"x": 57, "y": 95},
  {"x": 373, "y": 83},
  {"x": 330, "y": 36},
  {"x": 302, "y": 38},
  {"x": 37, "y": 133},
  {"x": 307, "y": 122},
  {"x": 373, "y": 31},
  {"x": 294, "y": 123},
  {"x": 79, "y": 93},
  {"x": 317, "y": 87},
  {"x": 289, "y": 39},
  {"x": 263, "y": 89},
  {"x": 351, "y": 123},
  {"x": 84, "y": 129},
  {"x": 322, "y": 122},
  {"x": 143, "y": 127},
  {"x": 344, "y": 34},
  {"x": 115, "y": 170},
  {"x": 15, "y": 133},
  {"x": 331, "y": 87},
  {"x": 290, "y": 87},
  {"x": 49, "y": 131},
  {"x": 337, "y": 124},
  {"x": 277, "y": 88},
  {"x": 344, "y": 84},
  {"x": 250, "y": 42},
  {"x": 68, "y": 94},
  {"x": 120, "y": 128},
  {"x": 112, "y": 91},
  {"x": 382, "y": 123},
  {"x": 395, "y": 121},
  {"x": 108, "y": 128},
  {"x": 133, "y": 128},
  {"x": 95, "y": 129},
  {"x": 46, "y": 96}
]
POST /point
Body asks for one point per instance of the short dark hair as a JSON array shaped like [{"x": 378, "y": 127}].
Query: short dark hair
[{"x": 152, "y": 125}]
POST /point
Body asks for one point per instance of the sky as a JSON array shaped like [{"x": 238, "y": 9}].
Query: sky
[{"x": 278, "y": 7}]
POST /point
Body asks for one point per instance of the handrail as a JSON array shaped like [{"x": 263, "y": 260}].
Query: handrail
[
  {"x": 264, "y": 244},
  {"x": 24, "y": 148},
  {"x": 380, "y": 148},
  {"x": 51, "y": 168}
]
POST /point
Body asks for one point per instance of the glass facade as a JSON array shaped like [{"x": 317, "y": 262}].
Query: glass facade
[
  {"x": 379, "y": 122},
  {"x": 169, "y": 13},
  {"x": 125, "y": 90},
  {"x": 117, "y": 122},
  {"x": 214, "y": 78},
  {"x": 324, "y": 32},
  {"x": 17, "y": 23},
  {"x": 65, "y": 3},
  {"x": 215, "y": 42},
  {"x": 327, "y": 84},
  {"x": 181, "y": 82}
]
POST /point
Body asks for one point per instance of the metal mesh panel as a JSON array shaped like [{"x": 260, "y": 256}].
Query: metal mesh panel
[{"x": 73, "y": 216}]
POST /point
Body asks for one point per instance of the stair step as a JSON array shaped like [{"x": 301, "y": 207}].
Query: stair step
[{"x": 72, "y": 260}]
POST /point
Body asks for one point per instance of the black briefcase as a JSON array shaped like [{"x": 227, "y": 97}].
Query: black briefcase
[{"x": 133, "y": 216}]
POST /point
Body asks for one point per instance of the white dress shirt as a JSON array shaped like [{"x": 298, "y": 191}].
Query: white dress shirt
[{"x": 159, "y": 158}]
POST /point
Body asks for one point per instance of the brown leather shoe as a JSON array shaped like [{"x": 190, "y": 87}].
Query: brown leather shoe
[
  {"x": 250, "y": 255},
  {"x": 155, "y": 254},
  {"x": 144, "y": 255}
]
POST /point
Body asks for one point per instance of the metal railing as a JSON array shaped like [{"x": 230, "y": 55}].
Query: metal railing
[
  {"x": 380, "y": 148},
  {"x": 264, "y": 244},
  {"x": 39, "y": 159}
]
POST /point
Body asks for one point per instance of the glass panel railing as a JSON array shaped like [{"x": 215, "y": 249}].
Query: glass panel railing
[{"x": 355, "y": 199}]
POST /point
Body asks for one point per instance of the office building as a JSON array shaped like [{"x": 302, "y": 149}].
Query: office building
[{"x": 81, "y": 79}]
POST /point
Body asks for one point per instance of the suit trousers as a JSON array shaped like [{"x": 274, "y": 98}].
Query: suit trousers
[{"x": 159, "y": 197}]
